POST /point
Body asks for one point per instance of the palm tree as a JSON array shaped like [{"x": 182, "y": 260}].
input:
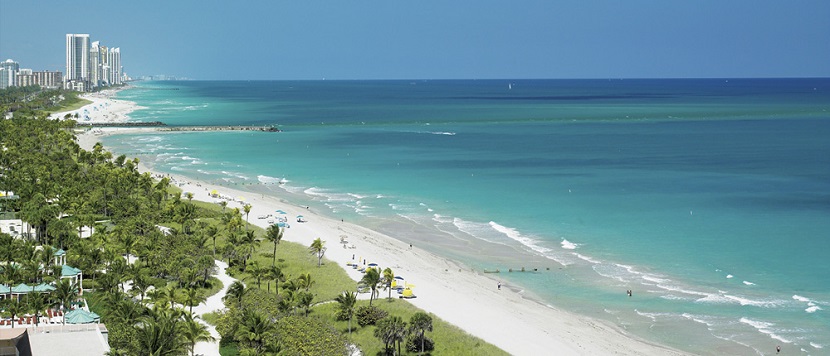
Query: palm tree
[
  {"x": 189, "y": 197},
  {"x": 66, "y": 292},
  {"x": 274, "y": 273},
  {"x": 125, "y": 311},
  {"x": 305, "y": 281},
  {"x": 159, "y": 334},
  {"x": 318, "y": 248},
  {"x": 235, "y": 292},
  {"x": 304, "y": 300},
  {"x": 141, "y": 283},
  {"x": 211, "y": 233},
  {"x": 37, "y": 303},
  {"x": 391, "y": 330},
  {"x": 257, "y": 272},
  {"x": 371, "y": 279},
  {"x": 419, "y": 323},
  {"x": 347, "y": 302},
  {"x": 223, "y": 204},
  {"x": 194, "y": 332},
  {"x": 274, "y": 235},
  {"x": 170, "y": 295},
  {"x": 247, "y": 244},
  {"x": 254, "y": 329},
  {"x": 247, "y": 209},
  {"x": 192, "y": 298},
  {"x": 15, "y": 307},
  {"x": 388, "y": 277}
]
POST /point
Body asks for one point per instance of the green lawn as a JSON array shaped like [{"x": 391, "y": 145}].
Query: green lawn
[{"x": 449, "y": 339}]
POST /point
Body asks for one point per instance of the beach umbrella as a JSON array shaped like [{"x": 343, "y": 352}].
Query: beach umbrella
[
  {"x": 373, "y": 265},
  {"x": 241, "y": 198},
  {"x": 399, "y": 277},
  {"x": 213, "y": 192},
  {"x": 281, "y": 224}
]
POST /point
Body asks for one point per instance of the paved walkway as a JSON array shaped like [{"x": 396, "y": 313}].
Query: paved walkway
[{"x": 213, "y": 303}]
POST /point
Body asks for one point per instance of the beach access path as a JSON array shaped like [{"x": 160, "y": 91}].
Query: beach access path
[
  {"x": 453, "y": 292},
  {"x": 213, "y": 304}
]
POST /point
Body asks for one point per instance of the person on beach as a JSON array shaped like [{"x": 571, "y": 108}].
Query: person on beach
[
  {"x": 499, "y": 286},
  {"x": 629, "y": 292},
  {"x": 778, "y": 349}
]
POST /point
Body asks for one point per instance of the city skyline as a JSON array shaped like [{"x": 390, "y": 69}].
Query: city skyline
[{"x": 438, "y": 40}]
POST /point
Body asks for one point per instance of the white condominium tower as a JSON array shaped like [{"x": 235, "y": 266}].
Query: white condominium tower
[{"x": 77, "y": 61}]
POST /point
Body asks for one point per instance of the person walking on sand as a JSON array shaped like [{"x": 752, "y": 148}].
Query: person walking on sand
[
  {"x": 499, "y": 286},
  {"x": 778, "y": 349}
]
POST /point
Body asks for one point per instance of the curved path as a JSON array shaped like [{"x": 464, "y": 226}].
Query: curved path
[{"x": 212, "y": 304}]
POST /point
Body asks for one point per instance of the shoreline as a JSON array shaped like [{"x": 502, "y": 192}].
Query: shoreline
[
  {"x": 103, "y": 109},
  {"x": 451, "y": 291}
]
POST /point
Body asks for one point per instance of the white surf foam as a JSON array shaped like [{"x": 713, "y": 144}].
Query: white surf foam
[
  {"x": 585, "y": 258},
  {"x": 516, "y": 235},
  {"x": 267, "y": 180},
  {"x": 816, "y": 346},
  {"x": 749, "y": 283},
  {"x": 568, "y": 245},
  {"x": 800, "y": 298},
  {"x": 765, "y": 328}
]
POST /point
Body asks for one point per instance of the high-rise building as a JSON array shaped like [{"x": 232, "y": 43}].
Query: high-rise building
[
  {"x": 95, "y": 65},
  {"x": 115, "y": 66},
  {"x": 8, "y": 73},
  {"x": 77, "y": 62}
]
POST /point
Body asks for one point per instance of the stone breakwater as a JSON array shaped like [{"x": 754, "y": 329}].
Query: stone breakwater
[{"x": 160, "y": 126}]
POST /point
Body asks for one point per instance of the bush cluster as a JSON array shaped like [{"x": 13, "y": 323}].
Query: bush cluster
[
  {"x": 413, "y": 343},
  {"x": 369, "y": 315}
]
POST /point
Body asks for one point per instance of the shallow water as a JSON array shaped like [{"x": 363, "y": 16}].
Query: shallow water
[{"x": 708, "y": 198}]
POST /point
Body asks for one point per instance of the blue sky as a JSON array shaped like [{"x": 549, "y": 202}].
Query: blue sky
[{"x": 429, "y": 39}]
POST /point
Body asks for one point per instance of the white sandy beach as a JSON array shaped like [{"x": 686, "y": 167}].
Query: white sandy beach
[
  {"x": 103, "y": 108},
  {"x": 453, "y": 292}
]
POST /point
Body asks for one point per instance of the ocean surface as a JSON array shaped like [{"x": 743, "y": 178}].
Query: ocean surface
[{"x": 709, "y": 199}]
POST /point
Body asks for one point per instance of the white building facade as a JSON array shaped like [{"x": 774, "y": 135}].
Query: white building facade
[{"x": 77, "y": 62}]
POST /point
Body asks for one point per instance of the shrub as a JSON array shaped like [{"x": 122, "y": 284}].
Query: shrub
[
  {"x": 413, "y": 343},
  {"x": 369, "y": 315}
]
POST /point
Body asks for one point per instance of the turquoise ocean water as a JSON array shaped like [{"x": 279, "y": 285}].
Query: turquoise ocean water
[{"x": 709, "y": 199}]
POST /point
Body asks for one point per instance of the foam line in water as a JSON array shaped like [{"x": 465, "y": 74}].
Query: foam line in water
[
  {"x": 765, "y": 328},
  {"x": 517, "y": 236}
]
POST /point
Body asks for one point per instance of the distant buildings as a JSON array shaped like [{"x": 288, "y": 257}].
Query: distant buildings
[
  {"x": 8, "y": 73},
  {"x": 89, "y": 66}
]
